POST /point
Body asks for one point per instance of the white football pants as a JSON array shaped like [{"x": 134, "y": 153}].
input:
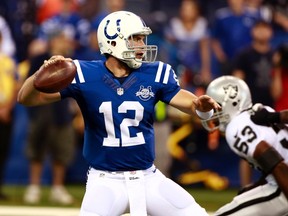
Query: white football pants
[
  {"x": 264, "y": 200},
  {"x": 108, "y": 194}
]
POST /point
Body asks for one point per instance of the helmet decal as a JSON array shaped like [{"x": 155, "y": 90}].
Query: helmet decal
[
  {"x": 116, "y": 34},
  {"x": 231, "y": 91}
]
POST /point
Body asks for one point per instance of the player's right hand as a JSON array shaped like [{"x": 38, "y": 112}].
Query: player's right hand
[
  {"x": 264, "y": 117},
  {"x": 260, "y": 117}
]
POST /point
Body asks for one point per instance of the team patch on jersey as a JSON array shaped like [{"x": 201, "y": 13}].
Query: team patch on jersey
[{"x": 145, "y": 93}]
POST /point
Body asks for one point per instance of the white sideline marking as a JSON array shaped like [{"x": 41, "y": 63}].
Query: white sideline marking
[
  {"x": 37, "y": 211},
  {"x": 41, "y": 211}
]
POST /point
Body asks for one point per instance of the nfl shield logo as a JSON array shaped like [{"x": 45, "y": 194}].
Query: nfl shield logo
[{"x": 120, "y": 91}]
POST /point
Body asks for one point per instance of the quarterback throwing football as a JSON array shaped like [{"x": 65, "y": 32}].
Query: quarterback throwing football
[
  {"x": 117, "y": 99},
  {"x": 264, "y": 147}
]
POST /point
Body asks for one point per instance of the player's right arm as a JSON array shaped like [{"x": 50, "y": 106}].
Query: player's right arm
[
  {"x": 29, "y": 96},
  {"x": 284, "y": 116},
  {"x": 188, "y": 102},
  {"x": 272, "y": 162}
]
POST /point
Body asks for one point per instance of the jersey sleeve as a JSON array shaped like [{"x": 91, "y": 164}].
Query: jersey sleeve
[{"x": 168, "y": 81}]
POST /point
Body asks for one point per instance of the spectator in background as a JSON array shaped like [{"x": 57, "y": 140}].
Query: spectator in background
[
  {"x": 279, "y": 84},
  {"x": 257, "y": 9},
  {"x": 20, "y": 16},
  {"x": 110, "y": 6},
  {"x": 188, "y": 32},
  {"x": 8, "y": 92},
  {"x": 70, "y": 20},
  {"x": 253, "y": 64},
  {"x": 7, "y": 43},
  {"x": 50, "y": 131},
  {"x": 231, "y": 32},
  {"x": 89, "y": 8},
  {"x": 49, "y": 8},
  {"x": 279, "y": 10}
]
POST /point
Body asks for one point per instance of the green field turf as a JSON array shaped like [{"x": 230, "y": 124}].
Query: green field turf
[{"x": 209, "y": 199}]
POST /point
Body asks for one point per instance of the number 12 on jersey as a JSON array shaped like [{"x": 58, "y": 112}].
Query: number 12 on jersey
[{"x": 111, "y": 140}]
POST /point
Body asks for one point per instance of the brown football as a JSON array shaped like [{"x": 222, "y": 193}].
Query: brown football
[{"x": 54, "y": 76}]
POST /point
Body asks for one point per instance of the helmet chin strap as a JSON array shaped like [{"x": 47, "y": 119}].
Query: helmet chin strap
[{"x": 132, "y": 63}]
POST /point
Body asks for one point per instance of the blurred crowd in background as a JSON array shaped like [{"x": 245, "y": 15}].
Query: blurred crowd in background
[{"x": 200, "y": 39}]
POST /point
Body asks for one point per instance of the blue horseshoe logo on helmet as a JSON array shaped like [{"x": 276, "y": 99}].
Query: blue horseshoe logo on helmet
[{"x": 111, "y": 37}]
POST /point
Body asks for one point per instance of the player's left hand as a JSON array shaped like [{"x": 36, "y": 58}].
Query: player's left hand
[{"x": 205, "y": 103}]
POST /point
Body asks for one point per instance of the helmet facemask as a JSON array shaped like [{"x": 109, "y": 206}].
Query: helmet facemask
[
  {"x": 135, "y": 55},
  {"x": 218, "y": 121}
]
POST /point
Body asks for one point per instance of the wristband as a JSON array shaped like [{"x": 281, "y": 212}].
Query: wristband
[
  {"x": 269, "y": 159},
  {"x": 205, "y": 115}
]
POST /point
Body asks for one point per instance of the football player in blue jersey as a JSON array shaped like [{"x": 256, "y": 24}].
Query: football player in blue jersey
[{"x": 117, "y": 98}]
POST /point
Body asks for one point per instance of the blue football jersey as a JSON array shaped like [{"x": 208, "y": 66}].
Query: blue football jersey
[{"x": 119, "y": 134}]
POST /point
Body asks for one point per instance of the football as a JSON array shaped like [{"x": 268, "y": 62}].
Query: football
[{"x": 54, "y": 75}]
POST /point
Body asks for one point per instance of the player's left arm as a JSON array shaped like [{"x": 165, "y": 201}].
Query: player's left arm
[
  {"x": 273, "y": 163},
  {"x": 188, "y": 102}
]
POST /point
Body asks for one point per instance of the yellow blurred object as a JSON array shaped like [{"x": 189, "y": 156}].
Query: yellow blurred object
[
  {"x": 7, "y": 79},
  {"x": 23, "y": 69},
  {"x": 160, "y": 111},
  {"x": 173, "y": 140},
  {"x": 210, "y": 179}
]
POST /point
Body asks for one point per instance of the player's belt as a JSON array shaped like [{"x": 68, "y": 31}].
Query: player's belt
[{"x": 120, "y": 174}]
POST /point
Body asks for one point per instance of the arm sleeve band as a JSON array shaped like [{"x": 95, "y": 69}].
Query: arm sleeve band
[{"x": 269, "y": 159}]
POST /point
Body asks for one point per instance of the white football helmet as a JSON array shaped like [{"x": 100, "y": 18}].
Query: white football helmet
[
  {"x": 114, "y": 33},
  {"x": 233, "y": 95}
]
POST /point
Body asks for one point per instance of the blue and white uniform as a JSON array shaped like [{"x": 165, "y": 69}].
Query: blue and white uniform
[
  {"x": 118, "y": 117},
  {"x": 119, "y": 141}
]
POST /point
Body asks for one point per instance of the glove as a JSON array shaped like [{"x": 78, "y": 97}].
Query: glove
[{"x": 265, "y": 118}]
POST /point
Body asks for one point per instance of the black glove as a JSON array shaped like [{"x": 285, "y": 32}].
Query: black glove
[{"x": 265, "y": 118}]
